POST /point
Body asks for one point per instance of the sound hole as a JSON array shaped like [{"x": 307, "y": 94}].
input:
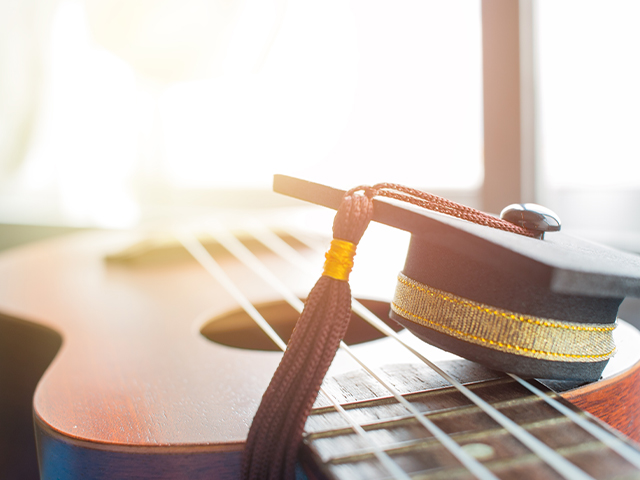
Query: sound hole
[{"x": 237, "y": 329}]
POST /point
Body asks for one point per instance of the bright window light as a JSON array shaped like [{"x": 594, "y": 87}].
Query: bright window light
[
  {"x": 146, "y": 98},
  {"x": 588, "y": 91}
]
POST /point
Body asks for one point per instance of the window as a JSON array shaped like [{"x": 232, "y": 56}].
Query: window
[{"x": 589, "y": 116}]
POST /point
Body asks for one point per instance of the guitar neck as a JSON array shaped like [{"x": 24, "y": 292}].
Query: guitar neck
[{"x": 334, "y": 450}]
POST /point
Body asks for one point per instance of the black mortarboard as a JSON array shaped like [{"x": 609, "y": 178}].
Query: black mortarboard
[{"x": 540, "y": 308}]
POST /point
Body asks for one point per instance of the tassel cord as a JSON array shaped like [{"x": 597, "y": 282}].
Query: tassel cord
[{"x": 433, "y": 202}]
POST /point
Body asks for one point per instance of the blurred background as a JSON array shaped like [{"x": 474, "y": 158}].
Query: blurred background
[{"x": 115, "y": 112}]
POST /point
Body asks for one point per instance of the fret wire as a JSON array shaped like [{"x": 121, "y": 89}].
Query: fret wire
[
  {"x": 197, "y": 250},
  {"x": 530, "y": 458},
  {"x": 468, "y": 461},
  {"x": 399, "y": 419},
  {"x": 242, "y": 253},
  {"x": 380, "y": 453},
  {"x": 372, "y": 402},
  {"x": 547, "y": 454},
  {"x": 466, "y": 436},
  {"x": 610, "y": 440}
]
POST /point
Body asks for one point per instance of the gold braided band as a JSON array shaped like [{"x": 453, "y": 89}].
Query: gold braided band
[
  {"x": 339, "y": 260},
  {"x": 502, "y": 330}
]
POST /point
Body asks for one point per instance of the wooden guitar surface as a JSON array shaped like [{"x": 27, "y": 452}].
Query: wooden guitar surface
[{"x": 135, "y": 390}]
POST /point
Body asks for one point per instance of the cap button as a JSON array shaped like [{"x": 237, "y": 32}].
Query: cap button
[{"x": 533, "y": 217}]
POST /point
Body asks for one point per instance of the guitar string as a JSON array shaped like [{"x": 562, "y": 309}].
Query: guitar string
[
  {"x": 610, "y": 440},
  {"x": 245, "y": 256},
  {"x": 552, "y": 458},
  {"x": 202, "y": 256}
]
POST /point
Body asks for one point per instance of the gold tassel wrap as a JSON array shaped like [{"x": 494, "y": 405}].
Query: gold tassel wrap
[{"x": 339, "y": 260}]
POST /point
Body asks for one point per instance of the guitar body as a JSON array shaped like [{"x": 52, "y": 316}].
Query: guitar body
[{"x": 136, "y": 391}]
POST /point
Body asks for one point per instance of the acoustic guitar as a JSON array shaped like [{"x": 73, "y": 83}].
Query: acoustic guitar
[{"x": 163, "y": 358}]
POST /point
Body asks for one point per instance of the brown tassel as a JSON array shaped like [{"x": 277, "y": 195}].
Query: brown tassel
[{"x": 276, "y": 431}]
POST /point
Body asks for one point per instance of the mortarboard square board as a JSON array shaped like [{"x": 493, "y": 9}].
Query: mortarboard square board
[{"x": 537, "y": 307}]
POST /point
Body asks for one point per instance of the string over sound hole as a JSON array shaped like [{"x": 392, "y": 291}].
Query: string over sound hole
[{"x": 237, "y": 329}]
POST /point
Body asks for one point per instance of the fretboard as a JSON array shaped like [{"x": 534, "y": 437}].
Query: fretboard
[{"x": 333, "y": 449}]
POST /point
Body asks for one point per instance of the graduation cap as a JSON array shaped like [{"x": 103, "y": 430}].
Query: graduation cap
[{"x": 496, "y": 291}]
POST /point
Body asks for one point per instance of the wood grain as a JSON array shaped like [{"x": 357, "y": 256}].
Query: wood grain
[
  {"x": 343, "y": 455},
  {"x": 615, "y": 401}
]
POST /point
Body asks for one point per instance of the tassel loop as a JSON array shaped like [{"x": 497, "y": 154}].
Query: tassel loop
[{"x": 354, "y": 214}]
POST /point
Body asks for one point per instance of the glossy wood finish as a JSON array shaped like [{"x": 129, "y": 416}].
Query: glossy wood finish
[
  {"x": 135, "y": 391},
  {"x": 63, "y": 458},
  {"x": 133, "y": 371},
  {"x": 615, "y": 401}
]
